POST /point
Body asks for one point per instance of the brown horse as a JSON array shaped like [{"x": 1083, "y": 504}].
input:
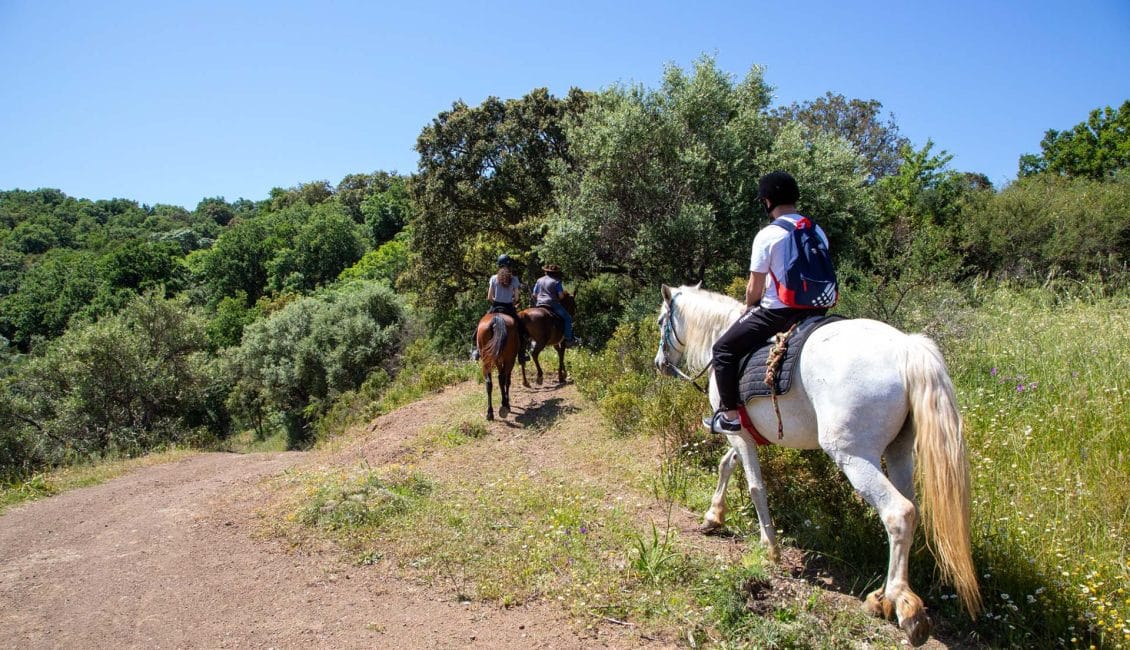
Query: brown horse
[
  {"x": 546, "y": 329},
  {"x": 497, "y": 340}
]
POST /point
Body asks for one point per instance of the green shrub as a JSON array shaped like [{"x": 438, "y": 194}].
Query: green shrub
[
  {"x": 1046, "y": 224},
  {"x": 296, "y": 362},
  {"x": 125, "y": 384}
]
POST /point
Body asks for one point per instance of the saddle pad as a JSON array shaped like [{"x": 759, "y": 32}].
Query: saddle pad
[{"x": 752, "y": 368}]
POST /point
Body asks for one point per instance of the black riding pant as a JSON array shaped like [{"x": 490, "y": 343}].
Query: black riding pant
[{"x": 750, "y": 332}]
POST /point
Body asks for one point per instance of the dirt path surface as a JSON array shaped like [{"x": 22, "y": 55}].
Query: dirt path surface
[
  {"x": 168, "y": 556},
  {"x": 176, "y": 555}
]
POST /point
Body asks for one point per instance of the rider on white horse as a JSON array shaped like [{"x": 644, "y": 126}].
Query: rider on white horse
[{"x": 766, "y": 313}]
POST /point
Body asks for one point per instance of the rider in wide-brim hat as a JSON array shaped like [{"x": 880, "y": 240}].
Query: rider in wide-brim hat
[{"x": 548, "y": 292}]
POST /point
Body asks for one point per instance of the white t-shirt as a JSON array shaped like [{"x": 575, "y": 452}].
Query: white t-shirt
[
  {"x": 504, "y": 293},
  {"x": 768, "y": 257}
]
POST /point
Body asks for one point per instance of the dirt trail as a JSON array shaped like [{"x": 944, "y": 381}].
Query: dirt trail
[
  {"x": 167, "y": 556},
  {"x": 174, "y": 555}
]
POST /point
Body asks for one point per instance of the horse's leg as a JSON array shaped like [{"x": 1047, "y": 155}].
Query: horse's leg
[
  {"x": 898, "y": 515},
  {"x": 537, "y": 364},
  {"x": 746, "y": 449},
  {"x": 525, "y": 382},
  {"x": 490, "y": 388},
  {"x": 900, "y": 461},
  {"x": 716, "y": 516},
  {"x": 561, "y": 362},
  {"x": 504, "y": 389}
]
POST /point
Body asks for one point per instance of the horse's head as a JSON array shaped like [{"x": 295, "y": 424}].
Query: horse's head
[
  {"x": 671, "y": 345},
  {"x": 569, "y": 302},
  {"x": 690, "y": 320}
]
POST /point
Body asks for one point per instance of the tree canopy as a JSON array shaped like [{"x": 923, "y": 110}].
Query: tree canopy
[{"x": 1096, "y": 148}]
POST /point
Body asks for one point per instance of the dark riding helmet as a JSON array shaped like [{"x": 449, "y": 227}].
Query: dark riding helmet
[
  {"x": 779, "y": 187},
  {"x": 504, "y": 260}
]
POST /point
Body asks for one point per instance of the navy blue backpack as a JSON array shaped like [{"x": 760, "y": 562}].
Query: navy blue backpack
[{"x": 810, "y": 279}]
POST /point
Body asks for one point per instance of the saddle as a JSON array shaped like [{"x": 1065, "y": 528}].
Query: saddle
[
  {"x": 751, "y": 370},
  {"x": 552, "y": 314}
]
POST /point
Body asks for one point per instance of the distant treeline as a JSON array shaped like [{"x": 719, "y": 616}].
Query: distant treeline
[{"x": 125, "y": 326}]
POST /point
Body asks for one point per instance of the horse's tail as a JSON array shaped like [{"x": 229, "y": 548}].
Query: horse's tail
[
  {"x": 942, "y": 467},
  {"x": 498, "y": 338}
]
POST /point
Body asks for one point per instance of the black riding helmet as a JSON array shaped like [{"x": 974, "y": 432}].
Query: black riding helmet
[
  {"x": 504, "y": 260},
  {"x": 779, "y": 187}
]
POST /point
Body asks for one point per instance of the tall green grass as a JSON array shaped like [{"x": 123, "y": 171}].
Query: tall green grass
[{"x": 1044, "y": 384}]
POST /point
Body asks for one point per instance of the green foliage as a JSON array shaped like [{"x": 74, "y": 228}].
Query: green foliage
[
  {"x": 1097, "y": 148},
  {"x": 238, "y": 261},
  {"x": 482, "y": 189},
  {"x": 600, "y": 303},
  {"x": 422, "y": 370},
  {"x": 326, "y": 242},
  {"x": 386, "y": 263},
  {"x": 225, "y": 329},
  {"x": 60, "y": 285},
  {"x": 142, "y": 265},
  {"x": 297, "y": 360},
  {"x": 11, "y": 270},
  {"x": 857, "y": 122},
  {"x": 913, "y": 245},
  {"x": 665, "y": 181},
  {"x": 1044, "y": 225},
  {"x": 660, "y": 179},
  {"x": 217, "y": 210},
  {"x": 386, "y": 212},
  {"x": 124, "y": 384},
  {"x": 654, "y": 559}
]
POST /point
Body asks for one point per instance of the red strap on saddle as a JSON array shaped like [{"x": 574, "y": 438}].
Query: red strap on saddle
[{"x": 747, "y": 424}]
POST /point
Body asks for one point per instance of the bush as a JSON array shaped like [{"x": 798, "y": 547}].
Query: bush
[
  {"x": 125, "y": 384},
  {"x": 1045, "y": 223},
  {"x": 294, "y": 363}
]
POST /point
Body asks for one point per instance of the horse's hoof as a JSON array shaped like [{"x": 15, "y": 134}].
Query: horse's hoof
[
  {"x": 490, "y": 415},
  {"x": 917, "y": 628},
  {"x": 539, "y": 381},
  {"x": 710, "y": 527},
  {"x": 878, "y": 606},
  {"x": 504, "y": 411}
]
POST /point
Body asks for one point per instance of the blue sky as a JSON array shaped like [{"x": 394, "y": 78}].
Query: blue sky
[{"x": 172, "y": 102}]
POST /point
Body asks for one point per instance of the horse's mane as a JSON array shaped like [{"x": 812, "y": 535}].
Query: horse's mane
[{"x": 704, "y": 316}]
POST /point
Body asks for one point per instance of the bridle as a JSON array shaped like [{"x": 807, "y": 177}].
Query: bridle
[{"x": 666, "y": 335}]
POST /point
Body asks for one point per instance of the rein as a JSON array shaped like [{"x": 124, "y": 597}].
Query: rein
[{"x": 665, "y": 344}]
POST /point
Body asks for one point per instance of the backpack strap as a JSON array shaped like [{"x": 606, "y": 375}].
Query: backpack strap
[
  {"x": 802, "y": 223},
  {"x": 784, "y": 223}
]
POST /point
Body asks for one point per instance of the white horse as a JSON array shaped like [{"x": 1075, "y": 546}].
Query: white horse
[{"x": 862, "y": 391}]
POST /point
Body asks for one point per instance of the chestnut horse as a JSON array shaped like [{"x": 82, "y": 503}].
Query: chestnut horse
[
  {"x": 497, "y": 340},
  {"x": 546, "y": 329}
]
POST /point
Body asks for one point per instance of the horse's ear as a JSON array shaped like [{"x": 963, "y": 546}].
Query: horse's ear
[
  {"x": 698, "y": 285},
  {"x": 666, "y": 293}
]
